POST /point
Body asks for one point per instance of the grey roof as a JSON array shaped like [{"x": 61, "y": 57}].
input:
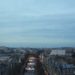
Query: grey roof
[
  {"x": 68, "y": 66},
  {"x": 58, "y": 52}
]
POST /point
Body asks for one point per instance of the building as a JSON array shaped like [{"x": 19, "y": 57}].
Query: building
[
  {"x": 58, "y": 52},
  {"x": 67, "y": 69},
  {"x": 4, "y": 65}
]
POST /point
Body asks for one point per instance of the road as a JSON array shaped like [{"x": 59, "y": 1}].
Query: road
[
  {"x": 30, "y": 73},
  {"x": 33, "y": 66}
]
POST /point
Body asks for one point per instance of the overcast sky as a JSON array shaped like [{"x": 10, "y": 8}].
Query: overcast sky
[{"x": 37, "y": 23}]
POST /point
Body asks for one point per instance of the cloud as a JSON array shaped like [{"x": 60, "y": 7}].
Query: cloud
[{"x": 42, "y": 22}]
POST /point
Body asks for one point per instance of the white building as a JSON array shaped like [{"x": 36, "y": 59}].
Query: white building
[{"x": 58, "y": 52}]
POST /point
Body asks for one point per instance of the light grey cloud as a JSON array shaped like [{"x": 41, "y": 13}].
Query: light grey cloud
[{"x": 37, "y": 23}]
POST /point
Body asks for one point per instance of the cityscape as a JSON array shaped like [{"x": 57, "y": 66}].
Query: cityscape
[
  {"x": 37, "y": 61},
  {"x": 37, "y": 37}
]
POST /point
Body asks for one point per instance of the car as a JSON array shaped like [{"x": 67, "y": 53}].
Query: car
[
  {"x": 30, "y": 68},
  {"x": 31, "y": 63}
]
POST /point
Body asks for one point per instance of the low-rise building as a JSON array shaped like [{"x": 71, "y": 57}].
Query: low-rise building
[
  {"x": 67, "y": 69},
  {"x": 58, "y": 52}
]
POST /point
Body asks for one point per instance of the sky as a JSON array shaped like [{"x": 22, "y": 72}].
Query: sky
[{"x": 37, "y": 23}]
